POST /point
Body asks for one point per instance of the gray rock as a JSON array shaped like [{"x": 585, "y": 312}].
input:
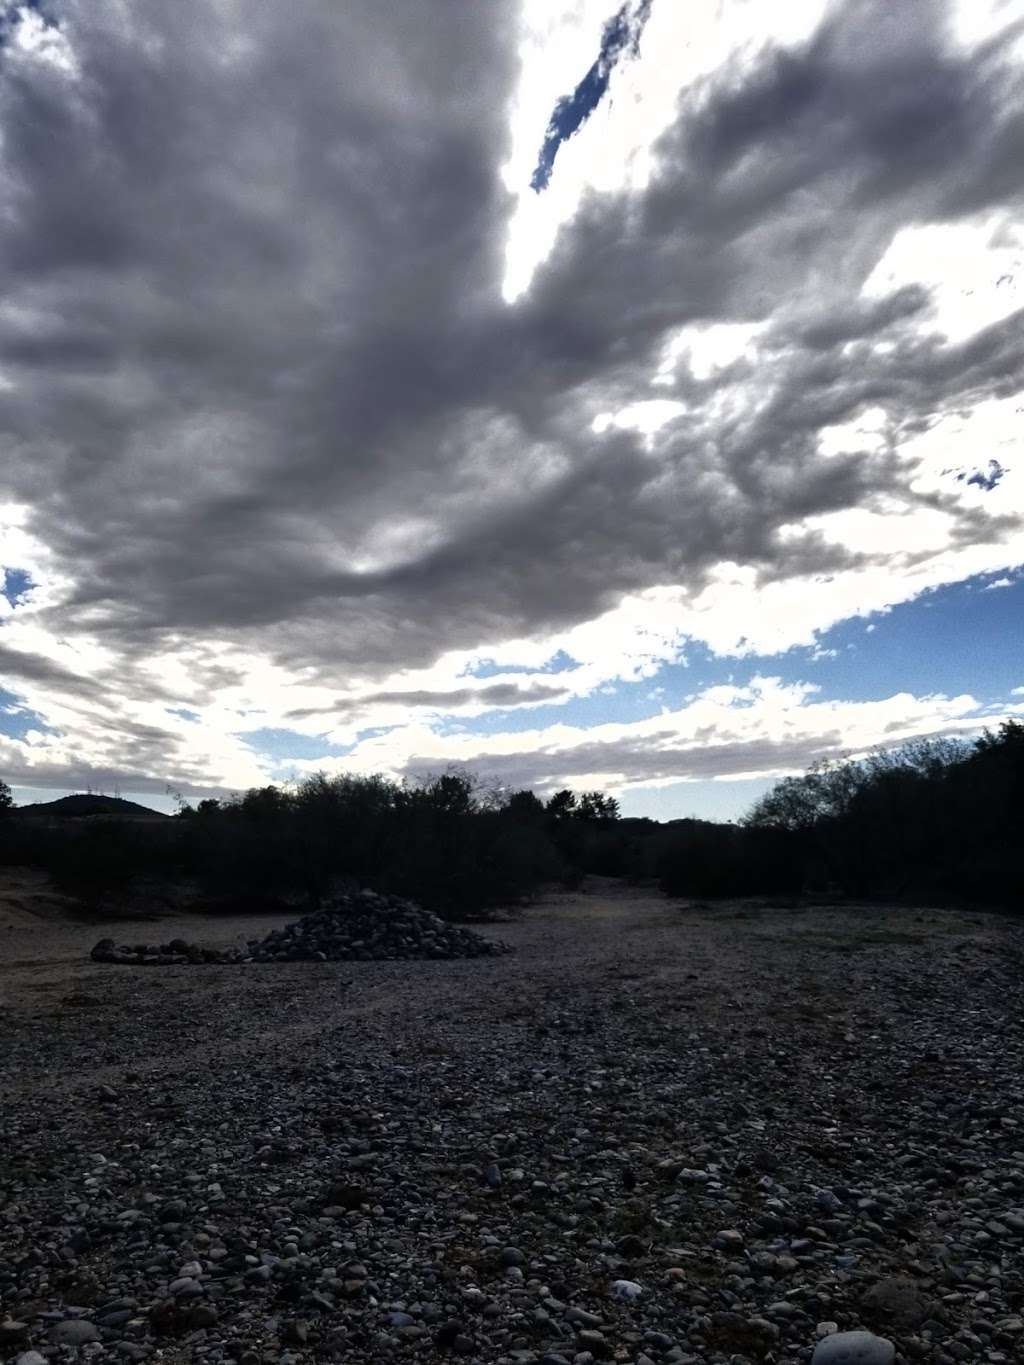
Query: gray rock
[
  {"x": 828, "y": 1201},
  {"x": 12, "y": 1332},
  {"x": 116, "y": 1317},
  {"x": 581, "y": 1318},
  {"x": 74, "y": 1332},
  {"x": 854, "y": 1348},
  {"x": 628, "y": 1291},
  {"x": 896, "y": 1299},
  {"x": 661, "y": 1341},
  {"x": 185, "y": 1287},
  {"x": 30, "y": 1358}
]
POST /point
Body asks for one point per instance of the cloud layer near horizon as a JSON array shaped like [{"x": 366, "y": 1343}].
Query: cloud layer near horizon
[{"x": 276, "y": 450}]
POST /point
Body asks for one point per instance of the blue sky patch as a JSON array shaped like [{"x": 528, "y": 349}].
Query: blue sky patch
[
  {"x": 290, "y": 744},
  {"x": 986, "y": 478},
  {"x": 620, "y": 34},
  {"x": 701, "y": 800},
  {"x": 17, "y": 585},
  {"x": 965, "y": 637},
  {"x": 560, "y": 662},
  {"x": 17, "y": 720}
]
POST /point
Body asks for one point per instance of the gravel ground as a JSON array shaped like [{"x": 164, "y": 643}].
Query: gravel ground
[{"x": 654, "y": 1133}]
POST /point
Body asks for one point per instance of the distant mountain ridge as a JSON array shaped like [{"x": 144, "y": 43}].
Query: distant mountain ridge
[{"x": 86, "y": 806}]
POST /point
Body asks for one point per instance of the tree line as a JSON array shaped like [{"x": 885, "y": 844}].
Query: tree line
[
  {"x": 932, "y": 818},
  {"x": 448, "y": 842},
  {"x": 937, "y": 817}
]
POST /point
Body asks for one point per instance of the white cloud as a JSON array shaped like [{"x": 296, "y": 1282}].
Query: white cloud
[
  {"x": 614, "y": 151},
  {"x": 764, "y": 729},
  {"x": 868, "y": 431},
  {"x": 708, "y": 348},
  {"x": 975, "y": 22},
  {"x": 277, "y": 451},
  {"x": 32, "y": 38},
  {"x": 974, "y": 271}
]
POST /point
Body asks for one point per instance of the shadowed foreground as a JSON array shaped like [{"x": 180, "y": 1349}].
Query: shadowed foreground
[{"x": 768, "y": 1118}]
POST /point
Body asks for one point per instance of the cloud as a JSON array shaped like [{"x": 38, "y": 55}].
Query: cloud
[
  {"x": 285, "y": 447},
  {"x": 21, "y": 666},
  {"x": 765, "y": 729},
  {"x": 498, "y": 694},
  {"x": 476, "y": 699}
]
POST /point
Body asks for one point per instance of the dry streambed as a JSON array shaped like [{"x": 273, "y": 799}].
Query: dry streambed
[{"x": 773, "y": 1123}]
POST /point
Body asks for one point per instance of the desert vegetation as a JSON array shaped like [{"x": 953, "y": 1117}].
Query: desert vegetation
[
  {"x": 935, "y": 817},
  {"x": 931, "y": 818},
  {"x": 448, "y": 842}
]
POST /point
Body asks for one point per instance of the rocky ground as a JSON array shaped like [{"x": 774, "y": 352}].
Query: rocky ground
[
  {"x": 653, "y": 1133},
  {"x": 353, "y": 926}
]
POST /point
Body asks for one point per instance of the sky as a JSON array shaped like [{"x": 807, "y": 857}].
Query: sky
[{"x": 593, "y": 395}]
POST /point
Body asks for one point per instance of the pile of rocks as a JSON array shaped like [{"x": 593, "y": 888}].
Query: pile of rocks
[{"x": 359, "y": 927}]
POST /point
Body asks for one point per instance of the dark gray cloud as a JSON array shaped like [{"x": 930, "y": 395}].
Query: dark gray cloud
[
  {"x": 21, "y": 666},
  {"x": 661, "y": 757},
  {"x": 501, "y": 695},
  {"x": 264, "y": 389},
  {"x": 109, "y": 778},
  {"x": 650, "y": 759},
  {"x": 497, "y": 694}
]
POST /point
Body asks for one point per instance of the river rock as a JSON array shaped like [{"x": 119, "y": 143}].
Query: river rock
[
  {"x": 74, "y": 1332},
  {"x": 896, "y": 1299},
  {"x": 854, "y": 1348}
]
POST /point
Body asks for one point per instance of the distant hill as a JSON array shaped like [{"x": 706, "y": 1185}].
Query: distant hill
[{"x": 86, "y": 807}]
